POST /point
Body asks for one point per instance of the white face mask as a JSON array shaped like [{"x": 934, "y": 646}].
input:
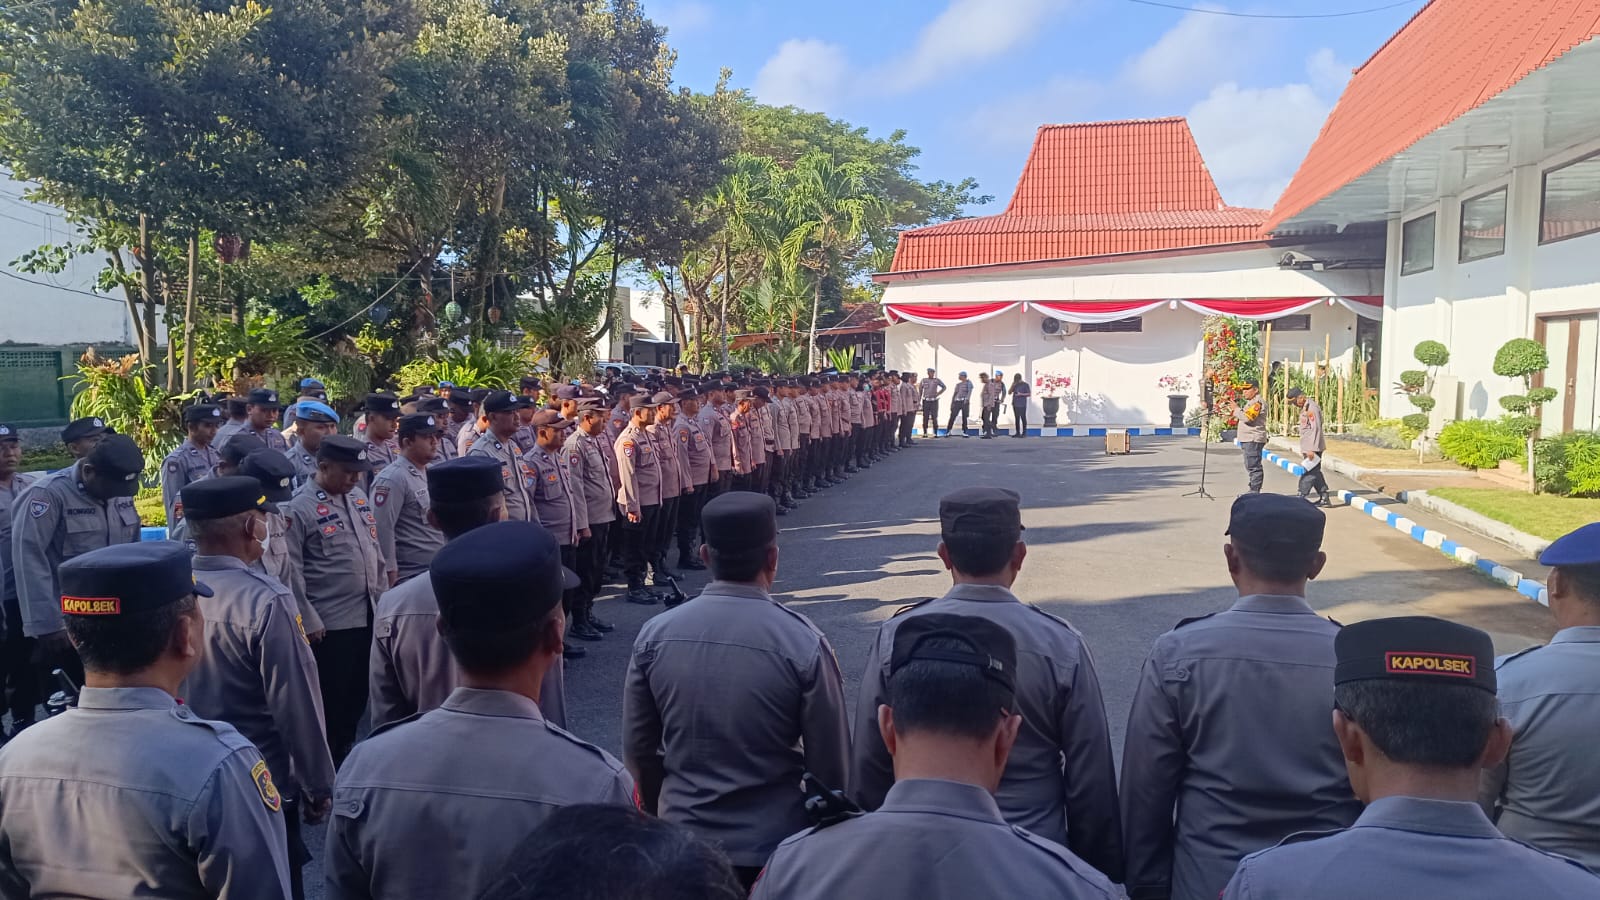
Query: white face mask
[{"x": 266, "y": 536}]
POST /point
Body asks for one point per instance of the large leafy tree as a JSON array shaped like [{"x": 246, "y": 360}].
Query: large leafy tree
[{"x": 828, "y": 208}]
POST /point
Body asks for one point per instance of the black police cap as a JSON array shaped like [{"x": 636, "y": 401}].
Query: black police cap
[
  {"x": 381, "y": 404},
  {"x": 981, "y": 511},
  {"x": 739, "y": 521},
  {"x": 125, "y": 579},
  {"x": 118, "y": 461},
  {"x": 263, "y": 397},
  {"x": 434, "y": 405},
  {"x": 528, "y": 383},
  {"x": 202, "y": 412},
  {"x": 464, "y": 478},
  {"x": 78, "y": 429},
  {"x": 8, "y": 432},
  {"x": 218, "y": 498},
  {"x": 503, "y": 401},
  {"x": 1276, "y": 523},
  {"x": 1414, "y": 649},
  {"x": 345, "y": 451},
  {"x": 418, "y": 424},
  {"x": 462, "y": 399},
  {"x": 992, "y": 649},
  {"x": 499, "y": 577},
  {"x": 274, "y": 472},
  {"x": 239, "y": 446}
]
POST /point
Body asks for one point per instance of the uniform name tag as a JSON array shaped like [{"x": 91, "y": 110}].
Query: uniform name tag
[
  {"x": 91, "y": 606},
  {"x": 1401, "y": 663}
]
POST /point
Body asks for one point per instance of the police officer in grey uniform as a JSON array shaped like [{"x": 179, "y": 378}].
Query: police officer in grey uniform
[
  {"x": 412, "y": 803},
  {"x": 132, "y": 794},
  {"x": 722, "y": 755},
  {"x": 558, "y": 501},
  {"x": 410, "y": 670},
  {"x": 314, "y": 421},
  {"x": 257, "y": 672},
  {"x": 63, "y": 515},
  {"x": 638, "y": 495},
  {"x": 81, "y": 435},
  {"x": 1416, "y": 716},
  {"x": 193, "y": 460},
  {"x": 501, "y": 408},
  {"x": 400, "y": 501},
  {"x": 950, "y": 723},
  {"x": 381, "y": 416},
  {"x": 276, "y": 477},
  {"x": 1060, "y": 782},
  {"x": 261, "y": 418},
  {"x": 17, "y": 677},
  {"x": 338, "y": 568},
  {"x": 588, "y": 457},
  {"x": 1200, "y": 786},
  {"x": 1547, "y": 791}
]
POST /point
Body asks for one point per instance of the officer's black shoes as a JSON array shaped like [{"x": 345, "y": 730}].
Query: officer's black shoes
[
  {"x": 583, "y": 631},
  {"x": 601, "y": 625},
  {"x": 691, "y": 564},
  {"x": 641, "y": 596},
  {"x": 571, "y": 652},
  {"x": 661, "y": 576}
]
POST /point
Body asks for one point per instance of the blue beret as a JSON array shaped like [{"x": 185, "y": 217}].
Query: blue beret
[
  {"x": 313, "y": 411},
  {"x": 1578, "y": 548}
]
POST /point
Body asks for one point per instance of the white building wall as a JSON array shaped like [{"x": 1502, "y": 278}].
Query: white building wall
[
  {"x": 51, "y": 309},
  {"x": 1475, "y": 307}
]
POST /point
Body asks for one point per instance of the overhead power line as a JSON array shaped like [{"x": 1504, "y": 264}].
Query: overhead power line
[{"x": 1245, "y": 15}]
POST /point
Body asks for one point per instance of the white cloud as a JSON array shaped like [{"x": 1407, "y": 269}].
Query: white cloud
[
  {"x": 810, "y": 74},
  {"x": 1200, "y": 49},
  {"x": 967, "y": 32},
  {"x": 681, "y": 17},
  {"x": 1328, "y": 74},
  {"x": 1011, "y": 123},
  {"x": 1253, "y": 139}
]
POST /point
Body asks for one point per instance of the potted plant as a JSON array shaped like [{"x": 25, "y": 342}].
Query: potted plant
[
  {"x": 1177, "y": 388},
  {"x": 1050, "y": 387}
]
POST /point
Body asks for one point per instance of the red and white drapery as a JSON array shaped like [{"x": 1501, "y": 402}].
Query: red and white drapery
[{"x": 944, "y": 315}]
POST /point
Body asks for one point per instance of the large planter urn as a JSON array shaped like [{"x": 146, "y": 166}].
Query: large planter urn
[
  {"x": 1176, "y": 403},
  {"x": 1052, "y": 406}
]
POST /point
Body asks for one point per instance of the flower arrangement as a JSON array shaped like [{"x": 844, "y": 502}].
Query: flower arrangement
[
  {"x": 1231, "y": 352},
  {"x": 1176, "y": 384},
  {"x": 1050, "y": 384}
]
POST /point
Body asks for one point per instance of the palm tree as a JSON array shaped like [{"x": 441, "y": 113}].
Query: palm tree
[
  {"x": 744, "y": 199},
  {"x": 829, "y": 207}
]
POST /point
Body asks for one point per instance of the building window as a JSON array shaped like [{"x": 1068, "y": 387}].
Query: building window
[
  {"x": 1416, "y": 245},
  {"x": 1571, "y": 203},
  {"x": 1120, "y": 326},
  {"x": 1299, "y": 322},
  {"x": 1483, "y": 226}
]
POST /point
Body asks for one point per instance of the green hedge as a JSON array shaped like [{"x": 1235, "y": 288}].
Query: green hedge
[
  {"x": 1569, "y": 464},
  {"x": 1479, "y": 443}
]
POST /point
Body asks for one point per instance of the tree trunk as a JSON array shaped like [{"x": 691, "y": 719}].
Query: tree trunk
[
  {"x": 134, "y": 316},
  {"x": 727, "y": 288},
  {"x": 188, "y": 312},
  {"x": 816, "y": 303},
  {"x": 147, "y": 292}
]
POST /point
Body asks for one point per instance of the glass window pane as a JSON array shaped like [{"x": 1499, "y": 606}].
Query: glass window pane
[
  {"x": 1416, "y": 245},
  {"x": 1483, "y": 226},
  {"x": 1571, "y": 200}
]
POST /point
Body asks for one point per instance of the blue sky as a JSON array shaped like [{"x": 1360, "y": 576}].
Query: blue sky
[{"x": 970, "y": 80}]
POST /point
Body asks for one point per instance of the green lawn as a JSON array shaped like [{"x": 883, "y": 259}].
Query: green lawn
[{"x": 1537, "y": 514}]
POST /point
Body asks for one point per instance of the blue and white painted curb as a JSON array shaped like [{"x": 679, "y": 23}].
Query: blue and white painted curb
[
  {"x": 1083, "y": 431},
  {"x": 1427, "y": 537}
]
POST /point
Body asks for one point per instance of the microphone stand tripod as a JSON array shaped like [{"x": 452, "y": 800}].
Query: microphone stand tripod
[{"x": 1205, "y": 447}]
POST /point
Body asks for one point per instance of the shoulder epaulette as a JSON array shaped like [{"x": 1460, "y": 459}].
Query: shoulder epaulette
[
  {"x": 910, "y": 606},
  {"x": 1300, "y": 837},
  {"x": 1054, "y": 618},
  {"x": 395, "y": 724},
  {"x": 602, "y": 755},
  {"x": 1520, "y": 653},
  {"x": 1191, "y": 619}
]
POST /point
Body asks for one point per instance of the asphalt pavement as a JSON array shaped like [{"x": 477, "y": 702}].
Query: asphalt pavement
[{"x": 1114, "y": 546}]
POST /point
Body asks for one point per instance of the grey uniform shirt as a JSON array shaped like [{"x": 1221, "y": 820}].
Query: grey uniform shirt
[
  {"x": 962, "y": 392},
  {"x": 931, "y": 840},
  {"x": 638, "y": 470},
  {"x": 433, "y": 807},
  {"x": 182, "y": 467},
  {"x": 9, "y": 494},
  {"x": 1229, "y": 749},
  {"x": 514, "y": 475},
  {"x": 1547, "y": 792},
  {"x": 1252, "y": 430},
  {"x": 400, "y": 504},
  {"x": 1060, "y": 782},
  {"x": 269, "y": 435},
  {"x": 558, "y": 500},
  {"x": 336, "y": 564},
  {"x": 53, "y": 521},
  {"x": 304, "y": 462},
  {"x": 381, "y": 456},
  {"x": 410, "y": 669},
  {"x": 1408, "y": 847},
  {"x": 133, "y": 795},
  {"x": 586, "y": 459},
  {"x": 993, "y": 392},
  {"x": 1311, "y": 437},
  {"x": 728, "y": 751},
  {"x": 930, "y": 388},
  {"x": 673, "y": 471},
  {"x": 696, "y": 448},
  {"x": 279, "y": 563},
  {"x": 258, "y": 675}
]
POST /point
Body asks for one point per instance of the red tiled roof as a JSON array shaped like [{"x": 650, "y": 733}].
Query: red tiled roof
[
  {"x": 1452, "y": 57},
  {"x": 1093, "y": 189}
]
